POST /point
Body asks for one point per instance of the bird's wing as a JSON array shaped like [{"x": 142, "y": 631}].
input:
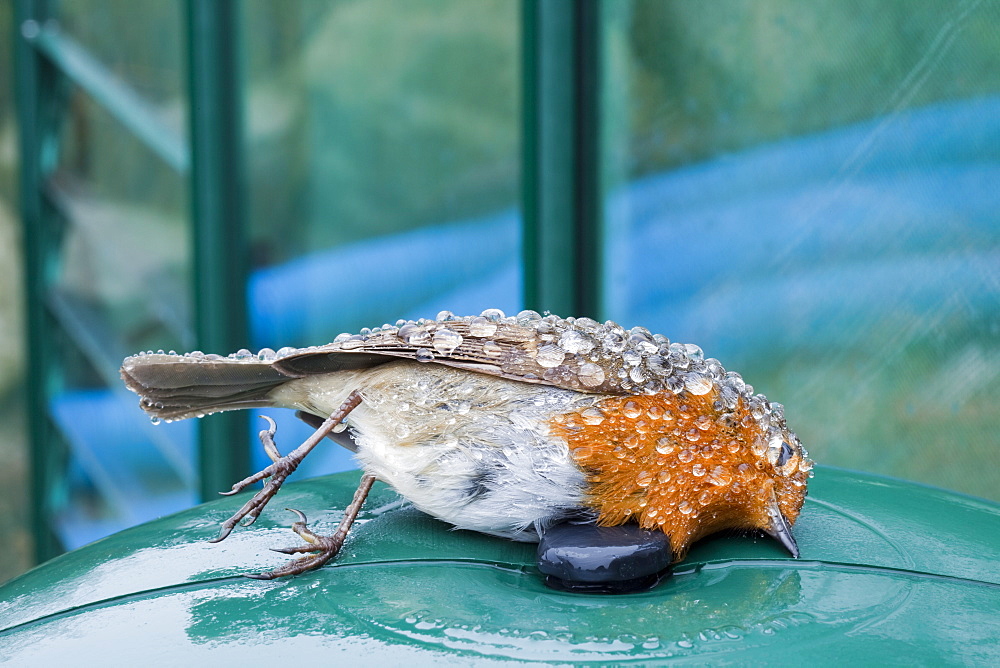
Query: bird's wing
[{"x": 578, "y": 354}]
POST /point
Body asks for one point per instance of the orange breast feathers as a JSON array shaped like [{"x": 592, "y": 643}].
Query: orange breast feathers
[{"x": 682, "y": 464}]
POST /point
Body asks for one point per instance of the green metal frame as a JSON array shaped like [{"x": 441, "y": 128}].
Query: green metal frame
[
  {"x": 220, "y": 239},
  {"x": 48, "y": 63},
  {"x": 38, "y": 123},
  {"x": 563, "y": 190}
]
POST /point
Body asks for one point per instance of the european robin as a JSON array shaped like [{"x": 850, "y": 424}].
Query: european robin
[{"x": 508, "y": 425}]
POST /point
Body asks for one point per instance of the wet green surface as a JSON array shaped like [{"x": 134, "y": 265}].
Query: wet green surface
[{"x": 888, "y": 570}]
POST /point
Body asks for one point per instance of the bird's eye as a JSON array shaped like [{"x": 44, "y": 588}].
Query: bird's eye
[{"x": 785, "y": 454}]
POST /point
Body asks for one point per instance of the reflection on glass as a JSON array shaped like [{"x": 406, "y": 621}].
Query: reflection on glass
[
  {"x": 123, "y": 279},
  {"x": 383, "y": 146},
  {"x": 140, "y": 41},
  {"x": 808, "y": 191}
]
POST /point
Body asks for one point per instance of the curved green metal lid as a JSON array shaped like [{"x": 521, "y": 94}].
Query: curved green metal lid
[{"x": 889, "y": 570}]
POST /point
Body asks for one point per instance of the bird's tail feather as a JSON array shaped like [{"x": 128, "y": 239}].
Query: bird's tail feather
[{"x": 174, "y": 387}]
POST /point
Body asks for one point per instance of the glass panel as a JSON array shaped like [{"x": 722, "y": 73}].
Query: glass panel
[
  {"x": 384, "y": 147},
  {"x": 122, "y": 284},
  {"x": 141, "y": 41},
  {"x": 808, "y": 191}
]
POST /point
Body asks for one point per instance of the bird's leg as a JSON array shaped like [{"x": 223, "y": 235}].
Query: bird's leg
[
  {"x": 323, "y": 547},
  {"x": 281, "y": 468}
]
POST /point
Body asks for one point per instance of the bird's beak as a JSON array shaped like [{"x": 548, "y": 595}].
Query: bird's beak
[{"x": 779, "y": 529}]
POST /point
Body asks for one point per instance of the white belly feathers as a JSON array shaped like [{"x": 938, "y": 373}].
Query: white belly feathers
[{"x": 500, "y": 473}]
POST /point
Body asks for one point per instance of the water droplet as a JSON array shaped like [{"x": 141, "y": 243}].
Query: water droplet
[
  {"x": 550, "y": 356},
  {"x": 704, "y": 422},
  {"x": 414, "y": 335},
  {"x": 614, "y": 340},
  {"x": 590, "y": 375},
  {"x": 154, "y": 420},
  {"x": 665, "y": 446},
  {"x": 631, "y": 358},
  {"x": 698, "y": 470},
  {"x": 637, "y": 375},
  {"x": 424, "y": 355},
  {"x": 402, "y": 430},
  {"x": 592, "y": 416},
  {"x": 663, "y": 477},
  {"x": 685, "y": 508},
  {"x": 644, "y": 479},
  {"x": 658, "y": 365},
  {"x": 463, "y": 407},
  {"x": 729, "y": 397},
  {"x": 641, "y": 340},
  {"x": 493, "y": 314},
  {"x": 339, "y": 428},
  {"x": 445, "y": 341},
  {"x": 481, "y": 327},
  {"x": 444, "y": 316},
  {"x": 697, "y": 384},
  {"x": 528, "y": 318},
  {"x": 692, "y": 435},
  {"x": 685, "y": 456},
  {"x": 574, "y": 342},
  {"x": 492, "y": 349},
  {"x": 705, "y": 498},
  {"x": 719, "y": 476},
  {"x": 631, "y": 410},
  {"x": 675, "y": 384},
  {"x": 694, "y": 352},
  {"x": 775, "y": 446}
]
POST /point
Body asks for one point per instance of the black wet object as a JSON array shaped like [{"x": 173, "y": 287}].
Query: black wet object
[{"x": 591, "y": 559}]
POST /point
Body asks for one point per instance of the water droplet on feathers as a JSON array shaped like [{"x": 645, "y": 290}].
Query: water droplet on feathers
[
  {"x": 446, "y": 341},
  {"x": 550, "y": 356},
  {"x": 481, "y": 327}
]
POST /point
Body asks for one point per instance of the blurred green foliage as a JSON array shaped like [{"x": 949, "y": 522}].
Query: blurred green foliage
[
  {"x": 704, "y": 83},
  {"x": 380, "y": 116}
]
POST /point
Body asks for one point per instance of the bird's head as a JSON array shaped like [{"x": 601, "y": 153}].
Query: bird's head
[{"x": 691, "y": 464}]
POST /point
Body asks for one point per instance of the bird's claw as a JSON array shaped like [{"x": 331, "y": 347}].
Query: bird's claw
[
  {"x": 324, "y": 548},
  {"x": 266, "y": 437},
  {"x": 278, "y": 471}
]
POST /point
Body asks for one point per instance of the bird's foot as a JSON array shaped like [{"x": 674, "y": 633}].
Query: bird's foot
[
  {"x": 280, "y": 469},
  {"x": 322, "y": 548}
]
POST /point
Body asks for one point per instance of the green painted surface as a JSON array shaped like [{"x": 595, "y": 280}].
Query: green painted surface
[{"x": 890, "y": 572}]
